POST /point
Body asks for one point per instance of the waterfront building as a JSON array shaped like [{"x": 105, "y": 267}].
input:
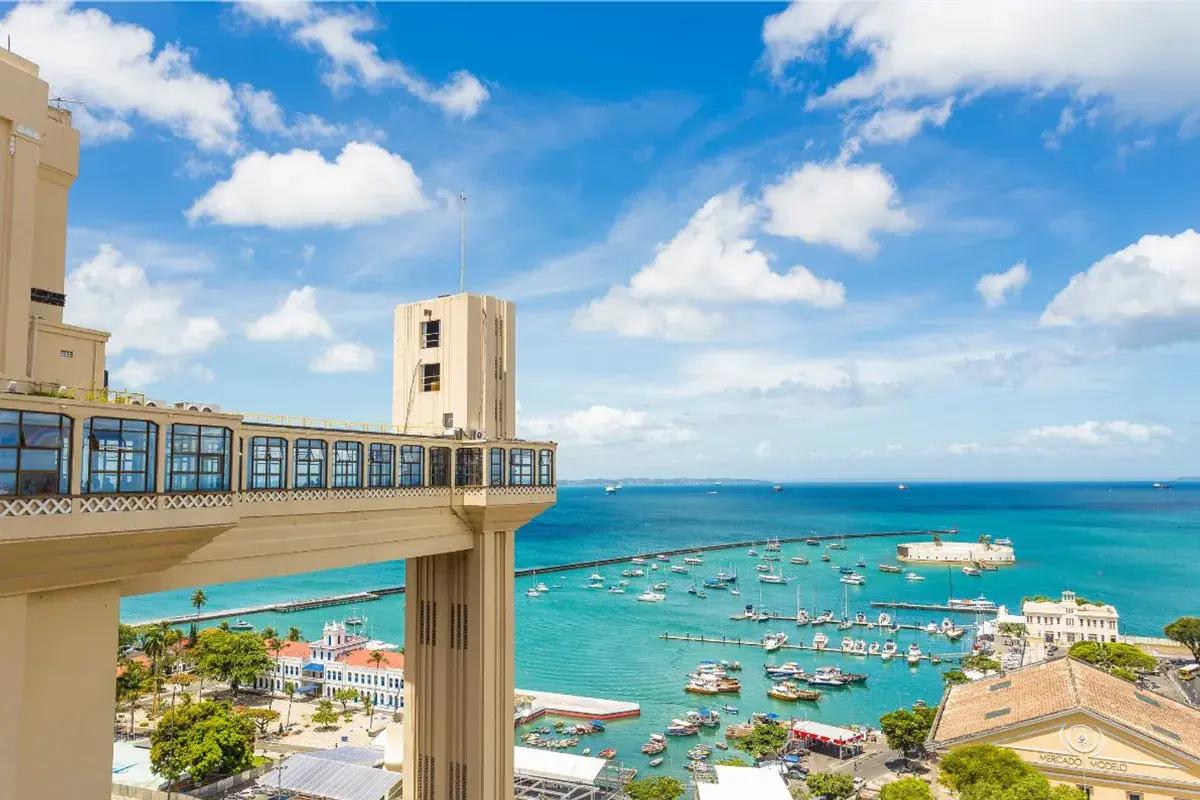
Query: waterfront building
[
  {"x": 738, "y": 783},
  {"x": 338, "y": 660},
  {"x": 106, "y": 493},
  {"x": 1070, "y": 619},
  {"x": 952, "y": 553},
  {"x": 1079, "y": 726}
]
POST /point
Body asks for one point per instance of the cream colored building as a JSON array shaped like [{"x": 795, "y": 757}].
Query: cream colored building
[
  {"x": 1079, "y": 726},
  {"x": 104, "y": 495},
  {"x": 1067, "y": 620},
  {"x": 951, "y": 553}
]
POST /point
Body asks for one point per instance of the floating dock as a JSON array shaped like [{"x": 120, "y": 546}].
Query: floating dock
[
  {"x": 375, "y": 594},
  {"x": 739, "y": 642},
  {"x": 931, "y": 607},
  {"x": 575, "y": 707}
]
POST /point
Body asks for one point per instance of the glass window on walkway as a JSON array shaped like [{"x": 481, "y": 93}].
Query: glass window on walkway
[
  {"x": 268, "y": 462},
  {"x": 468, "y": 466},
  {"x": 520, "y": 467},
  {"x": 496, "y": 466},
  {"x": 310, "y": 464},
  {"x": 198, "y": 458},
  {"x": 546, "y": 468},
  {"x": 381, "y": 465},
  {"x": 412, "y": 465},
  {"x": 118, "y": 455},
  {"x": 347, "y": 465},
  {"x": 35, "y": 453},
  {"x": 439, "y": 466}
]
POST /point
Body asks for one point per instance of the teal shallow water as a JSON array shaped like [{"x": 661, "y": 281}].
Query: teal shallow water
[{"x": 1125, "y": 544}]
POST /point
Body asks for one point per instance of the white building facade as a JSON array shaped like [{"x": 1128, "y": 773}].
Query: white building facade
[
  {"x": 954, "y": 553},
  {"x": 338, "y": 660},
  {"x": 1067, "y": 621}
]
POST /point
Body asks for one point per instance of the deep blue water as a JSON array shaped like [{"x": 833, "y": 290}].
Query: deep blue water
[{"x": 1126, "y": 544}]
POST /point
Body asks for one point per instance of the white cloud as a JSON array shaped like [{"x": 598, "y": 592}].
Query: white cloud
[
  {"x": 295, "y": 317},
  {"x": 963, "y": 448},
  {"x": 112, "y": 294},
  {"x": 307, "y": 252},
  {"x": 1154, "y": 282},
  {"x": 113, "y": 68},
  {"x": 265, "y": 116},
  {"x": 364, "y": 184},
  {"x": 137, "y": 375},
  {"x": 762, "y": 450},
  {"x": 711, "y": 260},
  {"x": 902, "y": 124},
  {"x": 337, "y": 34},
  {"x": 95, "y": 131},
  {"x": 839, "y": 204},
  {"x": 1138, "y": 57},
  {"x": 599, "y": 425},
  {"x": 344, "y": 357},
  {"x": 1096, "y": 433},
  {"x": 995, "y": 287}
]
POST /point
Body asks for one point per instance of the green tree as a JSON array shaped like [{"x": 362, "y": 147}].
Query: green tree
[
  {"x": 201, "y": 739},
  {"x": 1111, "y": 655},
  {"x": 1186, "y": 631},
  {"x": 294, "y": 634},
  {"x": 764, "y": 741},
  {"x": 830, "y": 784},
  {"x": 199, "y": 599},
  {"x": 986, "y": 541},
  {"x": 345, "y": 696},
  {"x": 289, "y": 689},
  {"x": 131, "y": 684},
  {"x": 157, "y": 642},
  {"x": 906, "y": 789},
  {"x": 733, "y": 761},
  {"x": 954, "y": 677},
  {"x": 324, "y": 716},
  {"x": 261, "y": 717},
  {"x": 369, "y": 709},
  {"x": 126, "y": 638},
  {"x": 268, "y": 634},
  {"x": 907, "y": 730},
  {"x": 987, "y": 772},
  {"x": 1013, "y": 628},
  {"x": 224, "y": 626},
  {"x": 235, "y": 658},
  {"x": 980, "y": 663},
  {"x": 1124, "y": 674},
  {"x": 656, "y": 788}
]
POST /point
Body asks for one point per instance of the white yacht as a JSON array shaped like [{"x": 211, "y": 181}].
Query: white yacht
[
  {"x": 847, "y": 644},
  {"x": 888, "y": 650},
  {"x": 773, "y": 577},
  {"x": 649, "y": 596},
  {"x": 696, "y": 559},
  {"x": 802, "y": 617},
  {"x": 980, "y": 603},
  {"x": 637, "y": 560},
  {"x": 733, "y": 590},
  {"x": 860, "y": 647},
  {"x": 854, "y": 579},
  {"x": 884, "y": 620},
  {"x": 914, "y": 653},
  {"x": 542, "y": 588},
  {"x": 931, "y": 628},
  {"x": 679, "y": 569},
  {"x": 827, "y": 676},
  {"x": 752, "y": 552},
  {"x": 974, "y": 572},
  {"x": 819, "y": 641},
  {"x": 903, "y": 487},
  {"x": 616, "y": 590},
  {"x": 532, "y": 592},
  {"x": 873, "y": 650},
  {"x": 654, "y": 566},
  {"x": 912, "y": 576}
]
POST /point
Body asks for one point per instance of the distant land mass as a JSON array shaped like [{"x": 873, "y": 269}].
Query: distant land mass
[{"x": 659, "y": 481}]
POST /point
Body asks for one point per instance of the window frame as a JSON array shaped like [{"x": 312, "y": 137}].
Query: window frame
[
  {"x": 439, "y": 466},
  {"x": 377, "y": 474},
  {"x": 520, "y": 466},
  {"x": 496, "y": 466},
  {"x": 253, "y": 476},
  {"x": 204, "y": 436},
  {"x": 91, "y": 452},
  {"x": 347, "y": 472},
  {"x": 431, "y": 381},
  {"x": 468, "y": 466},
  {"x": 406, "y": 474},
  {"x": 309, "y": 446},
  {"x": 431, "y": 339},
  {"x": 21, "y": 450},
  {"x": 545, "y": 467}
]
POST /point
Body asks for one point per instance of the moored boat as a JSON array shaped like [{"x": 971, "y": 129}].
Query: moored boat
[
  {"x": 801, "y": 560},
  {"x": 890, "y": 568}
]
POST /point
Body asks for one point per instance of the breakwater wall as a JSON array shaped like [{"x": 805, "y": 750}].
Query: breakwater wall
[{"x": 374, "y": 594}]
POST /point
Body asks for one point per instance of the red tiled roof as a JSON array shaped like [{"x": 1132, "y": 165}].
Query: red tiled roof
[
  {"x": 362, "y": 658},
  {"x": 292, "y": 650}
]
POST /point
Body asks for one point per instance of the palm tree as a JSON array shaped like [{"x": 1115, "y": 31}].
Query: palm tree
[
  {"x": 369, "y": 707},
  {"x": 295, "y": 634},
  {"x": 289, "y": 689},
  {"x": 377, "y": 658},
  {"x": 199, "y": 598},
  {"x": 269, "y": 633},
  {"x": 937, "y": 539},
  {"x": 155, "y": 641},
  {"x": 986, "y": 541}
]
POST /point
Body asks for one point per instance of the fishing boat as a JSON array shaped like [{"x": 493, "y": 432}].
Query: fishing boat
[
  {"x": 616, "y": 590},
  {"x": 800, "y": 560},
  {"x": 912, "y": 576},
  {"x": 825, "y": 557},
  {"x": 819, "y": 641},
  {"x": 694, "y": 559},
  {"x": 679, "y": 569},
  {"x": 854, "y": 579},
  {"x": 243, "y": 625},
  {"x": 974, "y": 572},
  {"x": 608, "y": 753},
  {"x": 890, "y": 568},
  {"x": 649, "y": 596}
]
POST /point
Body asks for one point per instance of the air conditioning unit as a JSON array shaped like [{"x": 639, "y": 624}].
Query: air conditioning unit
[
  {"x": 156, "y": 404},
  {"x": 207, "y": 408},
  {"x": 453, "y": 433}
]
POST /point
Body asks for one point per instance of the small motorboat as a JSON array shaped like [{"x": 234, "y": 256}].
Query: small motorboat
[
  {"x": 889, "y": 650},
  {"x": 912, "y": 576},
  {"x": 651, "y": 597},
  {"x": 854, "y": 579},
  {"x": 722, "y": 746},
  {"x": 825, "y": 557},
  {"x": 890, "y": 568},
  {"x": 532, "y": 592},
  {"x": 735, "y": 591},
  {"x": 656, "y": 761},
  {"x": 637, "y": 560},
  {"x": 800, "y": 560},
  {"x": 884, "y": 620},
  {"x": 608, "y": 753},
  {"x": 616, "y": 590},
  {"x": 679, "y": 569},
  {"x": 974, "y": 572},
  {"x": 752, "y": 552},
  {"x": 728, "y": 709},
  {"x": 661, "y": 587},
  {"x": 242, "y": 625}
]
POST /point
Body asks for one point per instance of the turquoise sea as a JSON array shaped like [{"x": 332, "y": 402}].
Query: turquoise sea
[{"x": 1127, "y": 544}]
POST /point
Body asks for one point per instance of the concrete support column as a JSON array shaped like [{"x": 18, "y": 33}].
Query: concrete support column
[
  {"x": 458, "y": 682},
  {"x": 58, "y": 698}
]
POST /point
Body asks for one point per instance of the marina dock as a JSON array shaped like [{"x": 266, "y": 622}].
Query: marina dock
[
  {"x": 574, "y": 706},
  {"x": 792, "y": 619},
  {"x": 931, "y": 607},
  {"x": 375, "y": 594},
  {"x": 739, "y": 642}
]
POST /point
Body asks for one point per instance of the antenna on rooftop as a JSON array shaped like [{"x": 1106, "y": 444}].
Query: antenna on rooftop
[{"x": 462, "y": 241}]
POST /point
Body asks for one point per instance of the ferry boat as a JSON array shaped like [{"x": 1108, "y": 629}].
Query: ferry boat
[
  {"x": 854, "y": 579},
  {"x": 801, "y": 560},
  {"x": 980, "y": 603},
  {"x": 679, "y": 569},
  {"x": 243, "y": 625},
  {"x": 651, "y": 597},
  {"x": 892, "y": 568},
  {"x": 912, "y": 576},
  {"x": 812, "y": 542},
  {"x": 696, "y": 559},
  {"x": 819, "y": 641},
  {"x": 888, "y": 650},
  {"x": 974, "y": 572}
]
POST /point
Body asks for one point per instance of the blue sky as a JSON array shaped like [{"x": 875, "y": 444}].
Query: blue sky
[{"x": 824, "y": 241}]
